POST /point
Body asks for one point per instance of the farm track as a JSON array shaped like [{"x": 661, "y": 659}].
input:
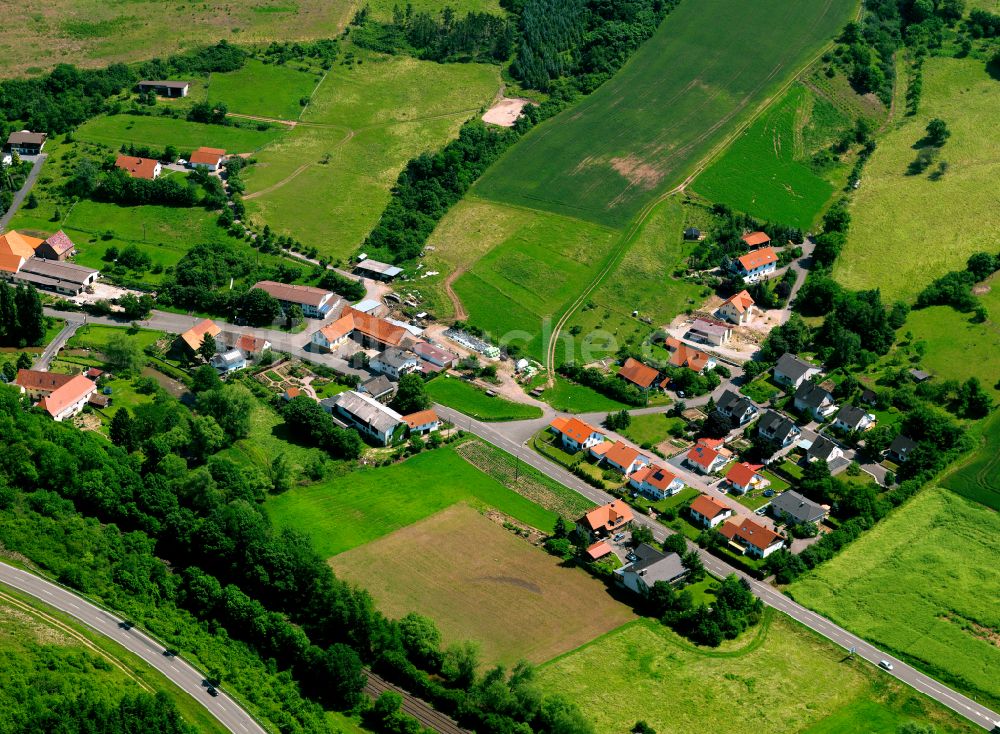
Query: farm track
[{"x": 415, "y": 707}]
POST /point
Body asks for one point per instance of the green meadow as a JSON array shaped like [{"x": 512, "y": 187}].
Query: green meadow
[
  {"x": 472, "y": 401},
  {"x": 978, "y": 476},
  {"x": 269, "y": 90},
  {"x": 710, "y": 65},
  {"x": 158, "y": 132}
]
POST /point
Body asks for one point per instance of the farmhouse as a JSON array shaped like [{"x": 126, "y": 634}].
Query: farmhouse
[
  {"x": 812, "y": 400},
  {"x": 144, "y": 168},
  {"x": 777, "y": 429},
  {"x": 704, "y": 456},
  {"x": 394, "y": 363},
  {"x": 369, "y": 331},
  {"x": 900, "y": 448},
  {"x": 435, "y": 356},
  {"x": 37, "y": 383},
  {"x": 228, "y": 361},
  {"x": 377, "y": 270},
  {"x": 575, "y": 434},
  {"x": 208, "y": 158},
  {"x": 639, "y": 374},
  {"x": 850, "y": 418},
  {"x": 369, "y": 416},
  {"x": 193, "y": 337},
  {"x": 60, "y": 277},
  {"x": 823, "y": 449},
  {"x": 753, "y": 538},
  {"x": 792, "y": 371},
  {"x": 708, "y": 511},
  {"x": 25, "y": 142},
  {"x": 165, "y": 88},
  {"x": 738, "y": 408},
  {"x": 756, "y": 265},
  {"x": 252, "y": 346},
  {"x": 743, "y": 477},
  {"x": 315, "y": 303},
  {"x": 649, "y": 567},
  {"x": 421, "y": 422},
  {"x": 607, "y": 519},
  {"x": 624, "y": 458},
  {"x": 682, "y": 355},
  {"x": 655, "y": 482},
  {"x": 792, "y": 507},
  {"x": 737, "y": 309},
  {"x": 715, "y": 333},
  {"x": 756, "y": 239},
  {"x": 379, "y": 387},
  {"x": 62, "y": 396},
  {"x": 17, "y": 244},
  {"x": 57, "y": 247}
]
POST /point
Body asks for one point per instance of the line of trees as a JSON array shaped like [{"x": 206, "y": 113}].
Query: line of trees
[
  {"x": 609, "y": 385},
  {"x": 22, "y": 323}
]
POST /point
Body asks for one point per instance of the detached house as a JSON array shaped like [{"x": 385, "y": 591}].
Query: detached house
[
  {"x": 792, "y": 507},
  {"x": 25, "y": 142},
  {"x": 737, "y": 309},
  {"x": 708, "y": 511},
  {"x": 606, "y": 520},
  {"x": 812, "y": 400},
  {"x": 777, "y": 429},
  {"x": 575, "y": 434},
  {"x": 624, "y": 458},
  {"x": 715, "y": 333},
  {"x": 639, "y": 374},
  {"x": 743, "y": 477},
  {"x": 850, "y": 418},
  {"x": 228, "y": 361},
  {"x": 756, "y": 239},
  {"x": 705, "y": 457},
  {"x": 394, "y": 363},
  {"x": 655, "y": 482},
  {"x": 144, "y": 168},
  {"x": 315, "y": 303},
  {"x": 682, "y": 355},
  {"x": 756, "y": 265},
  {"x": 900, "y": 448},
  {"x": 193, "y": 337},
  {"x": 650, "y": 566},
  {"x": 823, "y": 449},
  {"x": 61, "y": 396},
  {"x": 738, "y": 408},
  {"x": 755, "y": 539},
  {"x": 57, "y": 247},
  {"x": 792, "y": 371},
  {"x": 421, "y": 422},
  {"x": 207, "y": 158},
  {"x": 252, "y": 346}
]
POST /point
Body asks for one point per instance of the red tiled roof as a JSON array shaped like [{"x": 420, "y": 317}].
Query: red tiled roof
[
  {"x": 743, "y": 473},
  {"x": 15, "y": 243},
  {"x": 10, "y": 263},
  {"x": 598, "y": 550},
  {"x": 609, "y": 516},
  {"x": 575, "y": 428},
  {"x": 622, "y": 454},
  {"x": 207, "y": 156},
  {"x": 758, "y": 258},
  {"x": 39, "y": 380},
  {"x": 251, "y": 343},
  {"x": 741, "y": 301},
  {"x": 75, "y": 389},
  {"x": 60, "y": 243},
  {"x": 137, "y": 167},
  {"x": 212, "y": 151},
  {"x": 194, "y": 336},
  {"x": 756, "y": 239},
  {"x": 302, "y": 294},
  {"x": 420, "y": 418},
  {"x": 636, "y": 372},
  {"x": 708, "y": 506},
  {"x": 654, "y": 476},
  {"x": 750, "y": 532},
  {"x": 600, "y": 449},
  {"x": 685, "y": 356},
  {"x": 702, "y": 455}
]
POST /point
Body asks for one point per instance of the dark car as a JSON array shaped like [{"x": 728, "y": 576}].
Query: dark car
[
  {"x": 125, "y": 625},
  {"x": 170, "y": 653},
  {"x": 212, "y": 691}
]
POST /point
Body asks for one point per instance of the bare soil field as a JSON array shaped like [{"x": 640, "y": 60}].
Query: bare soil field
[{"x": 506, "y": 111}]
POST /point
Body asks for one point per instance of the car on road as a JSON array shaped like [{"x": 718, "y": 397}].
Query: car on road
[
  {"x": 168, "y": 653},
  {"x": 212, "y": 691},
  {"x": 760, "y": 511},
  {"x": 885, "y": 664},
  {"x": 125, "y": 625},
  {"x": 680, "y": 393}
]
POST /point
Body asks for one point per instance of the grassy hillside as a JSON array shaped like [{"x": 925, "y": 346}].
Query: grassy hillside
[
  {"x": 270, "y": 90},
  {"x": 907, "y": 230},
  {"x": 709, "y": 66},
  {"x": 922, "y": 584},
  {"x": 978, "y": 478}
]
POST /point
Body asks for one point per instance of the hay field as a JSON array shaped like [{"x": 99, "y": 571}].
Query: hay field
[{"x": 478, "y": 581}]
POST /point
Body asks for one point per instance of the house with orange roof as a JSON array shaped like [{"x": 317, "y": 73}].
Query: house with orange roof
[
  {"x": 208, "y": 158},
  {"x": 642, "y": 376},
  {"x": 753, "y": 538},
  {"x": 737, "y": 309},
  {"x": 684, "y": 355},
  {"x": 756, "y": 265},
  {"x": 252, "y": 346},
  {"x": 705, "y": 457},
  {"x": 742, "y": 477},
  {"x": 193, "y": 337},
  {"x": 144, "y": 168},
  {"x": 655, "y": 482},
  {"x": 598, "y": 550},
  {"x": 624, "y": 458},
  {"x": 423, "y": 421},
  {"x": 21, "y": 245},
  {"x": 756, "y": 239},
  {"x": 708, "y": 511},
  {"x": 575, "y": 434},
  {"x": 606, "y": 520},
  {"x": 62, "y": 396},
  {"x": 369, "y": 331}
]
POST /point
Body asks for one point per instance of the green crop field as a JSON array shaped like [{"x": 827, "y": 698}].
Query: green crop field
[
  {"x": 922, "y": 584},
  {"x": 766, "y": 173},
  {"x": 354, "y": 509},
  {"x": 784, "y": 680},
  {"x": 517, "y": 601},
  {"x": 908, "y": 230},
  {"x": 709, "y": 66},
  {"x": 978, "y": 477},
  {"x": 270, "y": 90},
  {"x": 370, "y": 119},
  {"x": 474, "y": 402},
  {"x": 158, "y": 132}
]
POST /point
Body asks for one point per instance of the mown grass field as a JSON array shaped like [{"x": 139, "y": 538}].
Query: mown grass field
[
  {"x": 472, "y": 401},
  {"x": 269, "y": 90},
  {"x": 764, "y": 172},
  {"x": 348, "y": 511},
  {"x": 923, "y": 585},
  {"x": 480, "y": 582},
  {"x": 96, "y": 336},
  {"x": 375, "y": 117},
  {"x": 679, "y": 96},
  {"x": 784, "y": 680},
  {"x": 570, "y": 397},
  {"x": 158, "y": 132},
  {"x": 908, "y": 230},
  {"x": 650, "y": 429},
  {"x": 978, "y": 478}
]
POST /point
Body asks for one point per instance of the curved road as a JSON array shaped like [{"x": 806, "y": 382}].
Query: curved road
[
  {"x": 962, "y": 705},
  {"x": 189, "y": 680}
]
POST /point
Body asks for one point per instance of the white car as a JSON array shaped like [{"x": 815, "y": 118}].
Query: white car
[{"x": 885, "y": 664}]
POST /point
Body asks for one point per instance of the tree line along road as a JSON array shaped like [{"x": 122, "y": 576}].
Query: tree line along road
[{"x": 960, "y": 704}]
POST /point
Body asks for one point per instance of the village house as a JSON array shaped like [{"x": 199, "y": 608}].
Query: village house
[
  {"x": 849, "y": 418},
  {"x": 639, "y": 374},
  {"x": 743, "y": 477},
  {"x": 624, "y": 458},
  {"x": 708, "y": 511},
  {"x": 61, "y": 396},
  {"x": 377, "y": 270},
  {"x": 228, "y": 361},
  {"x": 900, "y": 448},
  {"x": 369, "y": 331},
  {"x": 777, "y": 429},
  {"x": 823, "y": 449},
  {"x": 655, "y": 482},
  {"x": 435, "y": 356},
  {"x": 20, "y": 263},
  {"x": 753, "y": 538},
  {"x": 606, "y": 520},
  {"x": 394, "y": 363},
  {"x": 792, "y": 371},
  {"x": 315, "y": 303},
  {"x": 756, "y": 239},
  {"x": 756, "y": 265},
  {"x": 715, "y": 333},
  {"x": 792, "y": 508},
  {"x": 165, "y": 88},
  {"x": 705, "y": 456},
  {"x": 368, "y": 416},
  {"x": 738, "y": 408},
  {"x": 422, "y": 422},
  {"x": 682, "y": 355},
  {"x": 208, "y": 158},
  {"x": 25, "y": 142},
  {"x": 575, "y": 434},
  {"x": 193, "y": 337},
  {"x": 737, "y": 309},
  {"x": 379, "y": 387},
  {"x": 650, "y": 566},
  {"x": 144, "y": 168},
  {"x": 56, "y": 247},
  {"x": 814, "y": 401},
  {"x": 252, "y": 346}
]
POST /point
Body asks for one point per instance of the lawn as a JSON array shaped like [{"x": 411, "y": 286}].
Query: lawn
[
  {"x": 116, "y": 130},
  {"x": 350, "y": 510},
  {"x": 372, "y": 118},
  {"x": 480, "y": 582},
  {"x": 651, "y": 429},
  {"x": 267, "y": 440},
  {"x": 765, "y": 172},
  {"x": 908, "y": 230},
  {"x": 95, "y": 336},
  {"x": 682, "y": 94},
  {"x": 760, "y": 390},
  {"x": 569, "y": 397},
  {"x": 783, "y": 680},
  {"x": 269, "y": 90},
  {"x": 978, "y": 477},
  {"x": 474, "y": 402},
  {"x": 923, "y": 585}
]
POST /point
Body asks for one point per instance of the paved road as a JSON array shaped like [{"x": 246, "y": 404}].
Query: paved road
[
  {"x": 223, "y": 708},
  {"x": 22, "y": 194},
  {"x": 962, "y": 705},
  {"x": 46, "y": 357}
]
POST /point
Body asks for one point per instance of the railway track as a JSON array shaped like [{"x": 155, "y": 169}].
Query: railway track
[{"x": 415, "y": 707}]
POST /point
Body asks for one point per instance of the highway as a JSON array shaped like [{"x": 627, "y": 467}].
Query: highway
[
  {"x": 189, "y": 680},
  {"x": 960, "y": 704}
]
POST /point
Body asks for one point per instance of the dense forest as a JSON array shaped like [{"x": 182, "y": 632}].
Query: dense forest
[{"x": 22, "y": 323}]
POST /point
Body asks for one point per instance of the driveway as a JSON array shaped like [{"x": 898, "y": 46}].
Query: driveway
[{"x": 22, "y": 193}]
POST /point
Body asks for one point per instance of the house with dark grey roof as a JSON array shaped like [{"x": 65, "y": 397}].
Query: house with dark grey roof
[
  {"x": 379, "y": 387},
  {"x": 649, "y": 567},
  {"x": 823, "y": 449},
  {"x": 692, "y": 233},
  {"x": 394, "y": 362},
  {"x": 814, "y": 401},
  {"x": 850, "y": 418},
  {"x": 900, "y": 448},
  {"x": 793, "y": 508},
  {"x": 920, "y": 375},
  {"x": 790, "y": 370},
  {"x": 777, "y": 429},
  {"x": 368, "y": 416},
  {"x": 738, "y": 408}
]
